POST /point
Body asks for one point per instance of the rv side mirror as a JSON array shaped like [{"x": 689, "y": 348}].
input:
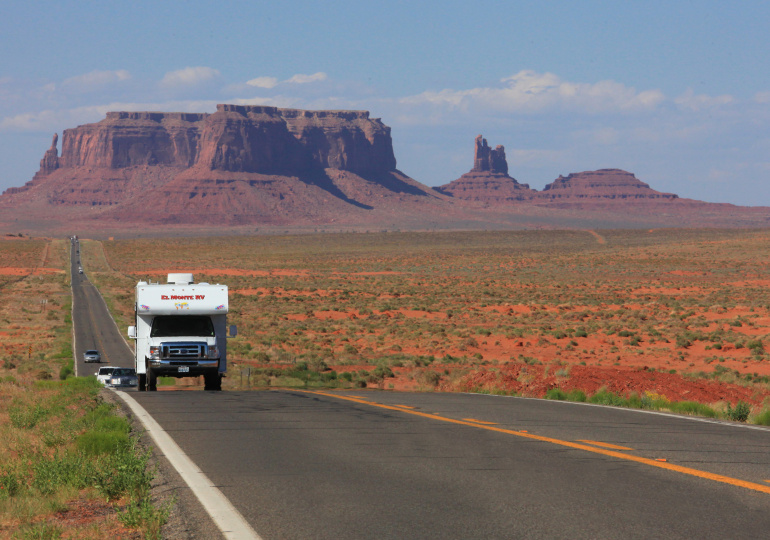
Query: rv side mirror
[
  {"x": 233, "y": 330},
  {"x": 132, "y": 332}
]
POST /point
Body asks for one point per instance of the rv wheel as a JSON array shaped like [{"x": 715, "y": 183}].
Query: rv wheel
[
  {"x": 152, "y": 381},
  {"x": 212, "y": 381}
]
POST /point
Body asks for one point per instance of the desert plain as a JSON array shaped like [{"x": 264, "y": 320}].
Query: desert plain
[{"x": 671, "y": 314}]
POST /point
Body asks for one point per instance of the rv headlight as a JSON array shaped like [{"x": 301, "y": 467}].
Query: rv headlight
[
  {"x": 212, "y": 352},
  {"x": 154, "y": 353}
]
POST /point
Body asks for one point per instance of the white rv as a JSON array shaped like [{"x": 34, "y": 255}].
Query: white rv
[{"x": 180, "y": 331}]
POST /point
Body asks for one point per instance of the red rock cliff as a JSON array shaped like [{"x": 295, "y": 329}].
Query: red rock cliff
[{"x": 236, "y": 138}]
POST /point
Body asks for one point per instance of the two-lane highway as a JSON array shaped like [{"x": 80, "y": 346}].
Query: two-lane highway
[
  {"x": 94, "y": 328},
  {"x": 368, "y": 464},
  {"x": 399, "y": 465}
]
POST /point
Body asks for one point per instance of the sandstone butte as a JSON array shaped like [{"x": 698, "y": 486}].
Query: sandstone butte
[{"x": 287, "y": 168}]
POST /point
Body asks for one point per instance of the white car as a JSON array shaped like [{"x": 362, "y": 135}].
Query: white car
[
  {"x": 92, "y": 355},
  {"x": 104, "y": 374}
]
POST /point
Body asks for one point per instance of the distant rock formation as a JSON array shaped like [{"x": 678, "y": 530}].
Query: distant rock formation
[
  {"x": 486, "y": 159},
  {"x": 241, "y": 164},
  {"x": 488, "y": 181},
  {"x": 50, "y": 161},
  {"x": 236, "y": 138},
  {"x": 604, "y": 184}
]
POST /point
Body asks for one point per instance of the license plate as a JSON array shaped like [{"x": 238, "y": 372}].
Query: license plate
[{"x": 184, "y": 369}]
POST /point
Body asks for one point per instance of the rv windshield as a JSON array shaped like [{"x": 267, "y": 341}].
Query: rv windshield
[{"x": 182, "y": 325}]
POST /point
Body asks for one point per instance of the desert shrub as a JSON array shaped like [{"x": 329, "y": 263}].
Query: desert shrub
[
  {"x": 10, "y": 484},
  {"x": 603, "y": 397},
  {"x": 762, "y": 419},
  {"x": 101, "y": 442},
  {"x": 65, "y": 372},
  {"x": 41, "y": 531},
  {"x": 261, "y": 357},
  {"x": 556, "y": 393},
  {"x": 576, "y": 395},
  {"x": 634, "y": 401},
  {"x": 318, "y": 365},
  {"x": 429, "y": 377},
  {"x": 383, "y": 372},
  {"x": 142, "y": 514},
  {"x": 124, "y": 473},
  {"x": 27, "y": 417},
  {"x": 66, "y": 469},
  {"x": 692, "y": 407},
  {"x": 739, "y": 413}
]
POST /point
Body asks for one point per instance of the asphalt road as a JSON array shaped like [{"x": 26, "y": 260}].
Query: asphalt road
[
  {"x": 93, "y": 325},
  {"x": 368, "y": 464}
]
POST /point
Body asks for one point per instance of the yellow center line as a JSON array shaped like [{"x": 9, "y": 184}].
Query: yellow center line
[
  {"x": 484, "y": 422},
  {"x": 605, "y": 445},
  {"x": 406, "y": 406},
  {"x": 605, "y": 452}
]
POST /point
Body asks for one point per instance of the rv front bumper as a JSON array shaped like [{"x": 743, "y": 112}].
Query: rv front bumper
[{"x": 183, "y": 368}]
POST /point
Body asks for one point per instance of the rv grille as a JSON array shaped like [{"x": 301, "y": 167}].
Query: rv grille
[{"x": 184, "y": 350}]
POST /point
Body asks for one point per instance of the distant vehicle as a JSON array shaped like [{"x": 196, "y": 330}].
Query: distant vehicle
[
  {"x": 104, "y": 373},
  {"x": 123, "y": 377},
  {"x": 92, "y": 355},
  {"x": 80, "y": 270}
]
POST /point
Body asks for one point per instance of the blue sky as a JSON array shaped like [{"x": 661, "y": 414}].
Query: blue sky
[{"x": 676, "y": 92}]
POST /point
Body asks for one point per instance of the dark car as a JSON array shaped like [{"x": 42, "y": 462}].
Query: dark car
[
  {"x": 122, "y": 377},
  {"x": 92, "y": 355}
]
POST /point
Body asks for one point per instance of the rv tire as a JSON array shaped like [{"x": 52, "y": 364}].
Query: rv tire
[
  {"x": 152, "y": 381},
  {"x": 212, "y": 381}
]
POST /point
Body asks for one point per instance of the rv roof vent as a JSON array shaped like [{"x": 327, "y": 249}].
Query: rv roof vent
[{"x": 180, "y": 279}]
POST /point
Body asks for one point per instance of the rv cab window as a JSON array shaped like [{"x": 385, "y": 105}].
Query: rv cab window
[{"x": 182, "y": 325}]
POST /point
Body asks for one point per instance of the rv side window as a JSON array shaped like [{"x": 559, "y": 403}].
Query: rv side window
[{"x": 182, "y": 325}]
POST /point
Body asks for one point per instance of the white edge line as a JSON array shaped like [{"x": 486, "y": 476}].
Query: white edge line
[{"x": 229, "y": 521}]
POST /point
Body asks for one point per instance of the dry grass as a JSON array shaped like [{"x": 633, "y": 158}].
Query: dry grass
[{"x": 48, "y": 489}]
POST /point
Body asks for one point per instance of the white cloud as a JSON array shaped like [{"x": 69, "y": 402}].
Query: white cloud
[
  {"x": 263, "y": 82},
  {"x": 96, "y": 79},
  {"x": 188, "y": 76},
  {"x": 697, "y": 102},
  {"x": 534, "y": 156},
  {"x": 53, "y": 120},
  {"x": 304, "y": 79},
  {"x": 762, "y": 97},
  {"x": 530, "y": 92},
  {"x": 284, "y": 102}
]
